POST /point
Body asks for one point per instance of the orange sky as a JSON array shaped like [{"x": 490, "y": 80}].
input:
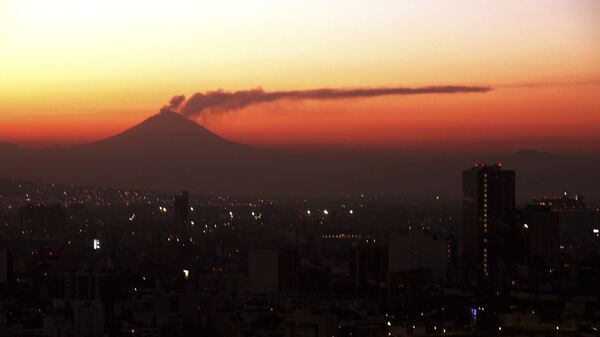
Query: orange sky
[{"x": 77, "y": 70}]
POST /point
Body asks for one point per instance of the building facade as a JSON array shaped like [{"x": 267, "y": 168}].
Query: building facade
[{"x": 488, "y": 222}]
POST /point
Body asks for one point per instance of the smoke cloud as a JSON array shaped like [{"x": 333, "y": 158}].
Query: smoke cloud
[
  {"x": 174, "y": 103},
  {"x": 220, "y": 101}
]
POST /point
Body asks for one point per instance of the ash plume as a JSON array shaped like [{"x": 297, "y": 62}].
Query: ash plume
[
  {"x": 174, "y": 103},
  {"x": 220, "y": 101}
]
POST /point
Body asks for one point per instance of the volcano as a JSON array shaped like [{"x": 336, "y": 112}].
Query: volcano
[
  {"x": 166, "y": 152},
  {"x": 170, "y": 152},
  {"x": 167, "y": 133}
]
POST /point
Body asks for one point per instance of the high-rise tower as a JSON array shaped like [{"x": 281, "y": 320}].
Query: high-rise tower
[
  {"x": 488, "y": 222},
  {"x": 181, "y": 208}
]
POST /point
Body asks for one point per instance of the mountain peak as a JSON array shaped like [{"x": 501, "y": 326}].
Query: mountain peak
[
  {"x": 168, "y": 117},
  {"x": 168, "y": 131},
  {"x": 170, "y": 113},
  {"x": 168, "y": 122}
]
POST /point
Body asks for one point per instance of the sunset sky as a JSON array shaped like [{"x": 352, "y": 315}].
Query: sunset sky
[{"x": 73, "y": 71}]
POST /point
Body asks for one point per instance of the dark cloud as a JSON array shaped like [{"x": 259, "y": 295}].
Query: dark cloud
[
  {"x": 174, "y": 103},
  {"x": 220, "y": 101}
]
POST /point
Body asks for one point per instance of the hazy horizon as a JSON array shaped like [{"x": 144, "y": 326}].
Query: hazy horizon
[{"x": 488, "y": 147}]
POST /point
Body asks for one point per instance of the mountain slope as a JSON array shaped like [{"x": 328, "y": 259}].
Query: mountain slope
[
  {"x": 165, "y": 131},
  {"x": 166, "y": 151},
  {"x": 169, "y": 152}
]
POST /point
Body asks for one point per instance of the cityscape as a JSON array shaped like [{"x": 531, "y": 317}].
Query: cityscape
[
  {"x": 261, "y": 168},
  {"x": 85, "y": 261}
]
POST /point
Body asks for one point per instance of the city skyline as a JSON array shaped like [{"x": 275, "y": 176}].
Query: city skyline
[{"x": 343, "y": 168}]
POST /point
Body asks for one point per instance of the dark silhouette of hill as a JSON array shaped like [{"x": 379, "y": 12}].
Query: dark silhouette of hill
[
  {"x": 541, "y": 173},
  {"x": 166, "y": 151},
  {"x": 170, "y": 152},
  {"x": 9, "y": 148},
  {"x": 166, "y": 131}
]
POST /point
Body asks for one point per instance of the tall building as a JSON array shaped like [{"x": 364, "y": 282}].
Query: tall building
[
  {"x": 81, "y": 285},
  {"x": 540, "y": 236},
  {"x": 181, "y": 209},
  {"x": 289, "y": 269},
  {"x": 488, "y": 222},
  {"x": 273, "y": 270},
  {"x": 88, "y": 319},
  {"x": 563, "y": 202},
  {"x": 452, "y": 251},
  {"x": 6, "y": 261},
  {"x": 418, "y": 250},
  {"x": 369, "y": 266}
]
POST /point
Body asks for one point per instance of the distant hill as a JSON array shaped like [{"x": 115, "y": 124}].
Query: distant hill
[
  {"x": 170, "y": 152},
  {"x": 166, "y": 131}
]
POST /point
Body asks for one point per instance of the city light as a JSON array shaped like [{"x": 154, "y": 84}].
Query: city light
[{"x": 346, "y": 252}]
